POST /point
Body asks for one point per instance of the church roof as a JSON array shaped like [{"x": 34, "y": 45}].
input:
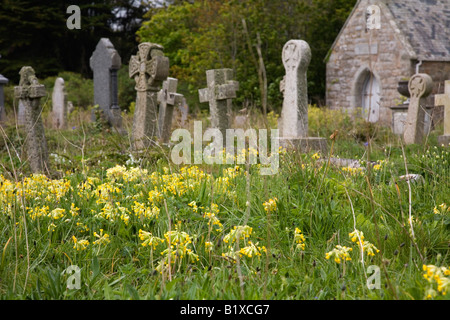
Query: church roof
[{"x": 426, "y": 24}]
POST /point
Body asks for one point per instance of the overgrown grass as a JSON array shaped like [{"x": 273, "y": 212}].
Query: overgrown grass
[{"x": 144, "y": 203}]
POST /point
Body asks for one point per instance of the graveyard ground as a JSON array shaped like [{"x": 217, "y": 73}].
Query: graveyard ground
[{"x": 137, "y": 226}]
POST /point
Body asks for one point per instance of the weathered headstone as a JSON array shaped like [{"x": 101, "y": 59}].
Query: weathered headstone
[
  {"x": 149, "y": 68},
  {"x": 167, "y": 99},
  {"x": 59, "y": 111},
  {"x": 444, "y": 100},
  {"x": 3, "y": 82},
  {"x": 219, "y": 93},
  {"x": 30, "y": 92},
  {"x": 420, "y": 86},
  {"x": 105, "y": 62},
  {"x": 293, "y": 123}
]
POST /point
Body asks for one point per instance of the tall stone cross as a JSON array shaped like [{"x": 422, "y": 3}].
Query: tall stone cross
[
  {"x": 105, "y": 62},
  {"x": 59, "y": 111},
  {"x": 221, "y": 89},
  {"x": 149, "y": 68},
  {"x": 30, "y": 92},
  {"x": 420, "y": 86},
  {"x": 294, "y": 114},
  {"x": 167, "y": 99},
  {"x": 444, "y": 100},
  {"x": 293, "y": 123}
]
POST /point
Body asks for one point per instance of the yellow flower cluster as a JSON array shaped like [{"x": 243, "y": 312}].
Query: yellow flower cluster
[
  {"x": 238, "y": 233},
  {"x": 379, "y": 165},
  {"x": 178, "y": 243},
  {"x": 212, "y": 218},
  {"x": 148, "y": 239},
  {"x": 102, "y": 238},
  {"x": 340, "y": 253},
  {"x": 358, "y": 237},
  {"x": 142, "y": 211},
  {"x": 270, "y": 205},
  {"x": 441, "y": 209},
  {"x": 80, "y": 244},
  {"x": 438, "y": 275},
  {"x": 121, "y": 172},
  {"x": 353, "y": 171},
  {"x": 299, "y": 239},
  {"x": 252, "y": 250}
]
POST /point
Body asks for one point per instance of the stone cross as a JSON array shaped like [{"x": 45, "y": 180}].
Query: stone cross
[
  {"x": 294, "y": 115},
  {"x": 293, "y": 123},
  {"x": 420, "y": 86},
  {"x": 221, "y": 89},
  {"x": 149, "y": 68},
  {"x": 105, "y": 62},
  {"x": 167, "y": 99},
  {"x": 444, "y": 100},
  {"x": 30, "y": 92},
  {"x": 3, "y": 82},
  {"x": 59, "y": 97}
]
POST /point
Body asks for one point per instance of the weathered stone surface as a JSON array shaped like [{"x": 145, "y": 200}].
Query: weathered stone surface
[
  {"x": 167, "y": 99},
  {"x": 105, "y": 62},
  {"x": 149, "y": 68},
  {"x": 219, "y": 93},
  {"x": 444, "y": 100},
  {"x": 404, "y": 33},
  {"x": 293, "y": 123},
  {"x": 420, "y": 86},
  {"x": 30, "y": 92},
  {"x": 59, "y": 111}
]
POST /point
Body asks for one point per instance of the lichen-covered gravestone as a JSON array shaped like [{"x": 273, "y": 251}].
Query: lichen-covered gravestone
[
  {"x": 420, "y": 86},
  {"x": 167, "y": 99},
  {"x": 59, "y": 111},
  {"x": 444, "y": 100},
  {"x": 293, "y": 123},
  {"x": 149, "y": 68},
  {"x": 105, "y": 62},
  {"x": 221, "y": 89},
  {"x": 30, "y": 92}
]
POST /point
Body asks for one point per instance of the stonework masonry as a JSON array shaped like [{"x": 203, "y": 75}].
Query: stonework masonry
[{"x": 387, "y": 54}]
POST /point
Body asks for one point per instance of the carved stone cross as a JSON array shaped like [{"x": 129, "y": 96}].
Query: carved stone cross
[
  {"x": 30, "y": 92},
  {"x": 221, "y": 89},
  {"x": 444, "y": 100},
  {"x": 149, "y": 68},
  {"x": 420, "y": 86},
  {"x": 296, "y": 57},
  {"x": 167, "y": 98}
]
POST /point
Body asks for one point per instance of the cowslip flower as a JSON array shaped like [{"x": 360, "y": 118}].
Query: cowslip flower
[
  {"x": 270, "y": 205},
  {"x": 252, "y": 250},
  {"x": 57, "y": 213},
  {"x": 103, "y": 238},
  {"x": 80, "y": 244},
  {"x": 148, "y": 239},
  {"x": 299, "y": 239},
  {"x": 339, "y": 253}
]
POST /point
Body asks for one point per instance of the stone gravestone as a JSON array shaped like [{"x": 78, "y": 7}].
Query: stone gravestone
[
  {"x": 3, "y": 82},
  {"x": 167, "y": 99},
  {"x": 59, "y": 111},
  {"x": 105, "y": 62},
  {"x": 21, "y": 114},
  {"x": 293, "y": 123},
  {"x": 221, "y": 89},
  {"x": 30, "y": 92},
  {"x": 149, "y": 68},
  {"x": 444, "y": 100},
  {"x": 420, "y": 86}
]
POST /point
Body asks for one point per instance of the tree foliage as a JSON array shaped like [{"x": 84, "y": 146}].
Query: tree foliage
[
  {"x": 34, "y": 32},
  {"x": 202, "y": 35}
]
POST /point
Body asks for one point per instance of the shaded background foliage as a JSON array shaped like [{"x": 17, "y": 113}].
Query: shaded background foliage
[{"x": 196, "y": 35}]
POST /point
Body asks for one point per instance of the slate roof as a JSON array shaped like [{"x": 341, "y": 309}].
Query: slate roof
[{"x": 426, "y": 24}]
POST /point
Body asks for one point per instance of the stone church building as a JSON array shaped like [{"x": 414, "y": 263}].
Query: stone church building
[{"x": 382, "y": 43}]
